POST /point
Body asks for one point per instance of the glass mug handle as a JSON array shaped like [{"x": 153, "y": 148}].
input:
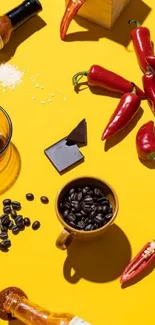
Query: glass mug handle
[{"x": 64, "y": 239}]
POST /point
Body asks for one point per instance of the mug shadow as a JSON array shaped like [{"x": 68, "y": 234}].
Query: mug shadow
[
  {"x": 101, "y": 260},
  {"x": 19, "y": 36},
  {"x": 118, "y": 137},
  {"x": 140, "y": 277},
  {"x": 11, "y": 171},
  {"x": 15, "y": 322},
  {"x": 120, "y": 32}
]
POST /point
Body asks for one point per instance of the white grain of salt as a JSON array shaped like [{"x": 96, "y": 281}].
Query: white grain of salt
[{"x": 10, "y": 76}]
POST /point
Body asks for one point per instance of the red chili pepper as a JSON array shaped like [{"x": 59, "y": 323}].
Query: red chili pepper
[
  {"x": 70, "y": 12},
  {"x": 149, "y": 88},
  {"x": 145, "y": 141},
  {"x": 124, "y": 113},
  {"x": 106, "y": 79},
  {"x": 140, "y": 262},
  {"x": 142, "y": 44},
  {"x": 151, "y": 62}
]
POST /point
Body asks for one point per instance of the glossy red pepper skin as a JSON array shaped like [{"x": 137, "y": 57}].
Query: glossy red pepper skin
[
  {"x": 124, "y": 113},
  {"x": 149, "y": 88},
  {"x": 142, "y": 44},
  {"x": 100, "y": 77},
  {"x": 72, "y": 8},
  {"x": 151, "y": 62},
  {"x": 139, "y": 263},
  {"x": 145, "y": 141}
]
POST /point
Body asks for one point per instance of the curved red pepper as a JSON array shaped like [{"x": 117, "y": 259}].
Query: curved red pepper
[
  {"x": 149, "y": 88},
  {"x": 145, "y": 141},
  {"x": 142, "y": 44},
  {"x": 70, "y": 12},
  {"x": 124, "y": 113},
  {"x": 151, "y": 62},
  {"x": 106, "y": 79},
  {"x": 139, "y": 263}
]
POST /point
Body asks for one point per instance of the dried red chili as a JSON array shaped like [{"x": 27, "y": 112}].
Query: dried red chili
[
  {"x": 70, "y": 12},
  {"x": 100, "y": 77},
  {"x": 123, "y": 114},
  {"x": 139, "y": 263}
]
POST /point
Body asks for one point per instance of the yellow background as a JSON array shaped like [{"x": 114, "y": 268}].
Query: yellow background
[{"x": 34, "y": 263}]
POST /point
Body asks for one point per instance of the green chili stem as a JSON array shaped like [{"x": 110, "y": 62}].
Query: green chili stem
[
  {"x": 78, "y": 76},
  {"x": 130, "y": 22}
]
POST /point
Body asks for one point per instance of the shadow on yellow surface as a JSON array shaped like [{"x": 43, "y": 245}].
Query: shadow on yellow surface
[
  {"x": 11, "y": 170},
  {"x": 120, "y": 33},
  {"x": 101, "y": 260},
  {"x": 19, "y": 36},
  {"x": 15, "y": 322},
  {"x": 118, "y": 137}
]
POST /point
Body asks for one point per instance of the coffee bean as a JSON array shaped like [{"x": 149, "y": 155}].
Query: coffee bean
[
  {"x": 97, "y": 192},
  {"x": 79, "y": 196},
  {"x": 19, "y": 220},
  {"x": 105, "y": 209},
  {"x": 99, "y": 220},
  {"x": 3, "y": 235},
  {"x": 65, "y": 214},
  {"x": 61, "y": 206},
  {"x": 13, "y": 214},
  {"x": 91, "y": 193},
  {"x": 74, "y": 197},
  {"x": 87, "y": 188},
  {"x": 89, "y": 227},
  {"x": 7, "y": 209},
  {"x": 83, "y": 213},
  {"x": 96, "y": 226},
  {"x": 44, "y": 199},
  {"x": 86, "y": 220},
  {"x": 100, "y": 208},
  {"x": 72, "y": 224},
  {"x": 101, "y": 199},
  {"x": 71, "y": 191},
  {"x": 77, "y": 207},
  {"x": 71, "y": 217},
  {"x": 36, "y": 225},
  {"x": 4, "y": 228},
  {"x": 105, "y": 201},
  {"x": 22, "y": 225},
  {"x": 6, "y": 243},
  {"x": 5, "y": 220},
  {"x": 16, "y": 205},
  {"x": 15, "y": 230},
  {"x": 86, "y": 209},
  {"x": 79, "y": 189},
  {"x": 27, "y": 222},
  {"x": 109, "y": 216},
  {"x": 93, "y": 214},
  {"x": 10, "y": 225},
  {"x": 81, "y": 225},
  {"x": 84, "y": 191},
  {"x": 78, "y": 215},
  {"x": 6, "y": 202},
  {"x": 29, "y": 196},
  {"x": 88, "y": 200},
  {"x": 67, "y": 205}
]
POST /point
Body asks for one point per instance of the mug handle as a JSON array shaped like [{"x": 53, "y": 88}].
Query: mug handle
[{"x": 64, "y": 239}]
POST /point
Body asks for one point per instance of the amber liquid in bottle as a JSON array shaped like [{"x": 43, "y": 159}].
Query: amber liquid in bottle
[{"x": 31, "y": 314}]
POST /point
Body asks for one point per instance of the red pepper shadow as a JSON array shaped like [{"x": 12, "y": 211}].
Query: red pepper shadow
[
  {"x": 100, "y": 260},
  {"x": 113, "y": 141},
  {"x": 140, "y": 277},
  {"x": 95, "y": 90},
  {"x": 120, "y": 33}
]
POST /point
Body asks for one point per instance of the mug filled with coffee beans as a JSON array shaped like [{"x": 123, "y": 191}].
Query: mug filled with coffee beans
[{"x": 86, "y": 207}]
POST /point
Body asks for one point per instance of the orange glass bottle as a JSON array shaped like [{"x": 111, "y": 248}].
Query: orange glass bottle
[
  {"x": 16, "y": 17},
  {"x": 31, "y": 314}
]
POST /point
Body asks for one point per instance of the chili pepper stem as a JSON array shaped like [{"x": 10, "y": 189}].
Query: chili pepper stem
[
  {"x": 130, "y": 22},
  {"x": 151, "y": 156},
  {"x": 78, "y": 76},
  {"x": 134, "y": 90}
]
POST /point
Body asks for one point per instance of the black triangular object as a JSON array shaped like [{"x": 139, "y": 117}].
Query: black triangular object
[{"x": 79, "y": 134}]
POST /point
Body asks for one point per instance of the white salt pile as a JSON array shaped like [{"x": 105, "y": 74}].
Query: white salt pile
[{"x": 10, "y": 76}]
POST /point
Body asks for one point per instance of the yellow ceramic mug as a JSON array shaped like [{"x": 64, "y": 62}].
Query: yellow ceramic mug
[{"x": 69, "y": 233}]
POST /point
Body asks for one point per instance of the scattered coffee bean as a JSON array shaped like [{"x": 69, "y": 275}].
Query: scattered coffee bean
[
  {"x": 6, "y": 202},
  {"x": 4, "y": 228},
  {"x": 44, "y": 199},
  {"x": 3, "y": 235},
  {"x": 36, "y": 225},
  {"x": 29, "y": 196},
  {"x": 13, "y": 214},
  {"x": 5, "y": 220},
  {"x": 19, "y": 221},
  {"x": 15, "y": 230},
  {"x": 16, "y": 205},
  {"x": 10, "y": 225},
  {"x": 27, "y": 222},
  {"x": 7, "y": 209},
  {"x": 6, "y": 243}
]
